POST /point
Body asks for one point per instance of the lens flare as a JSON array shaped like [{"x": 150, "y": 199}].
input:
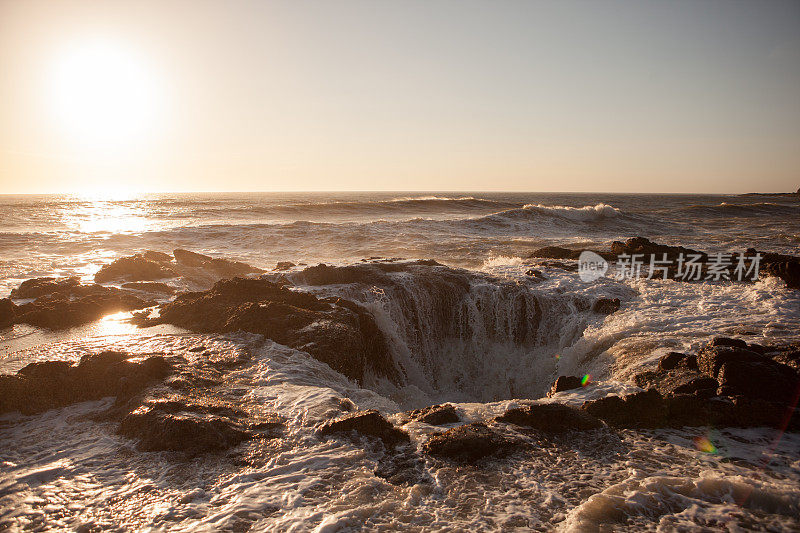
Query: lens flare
[
  {"x": 704, "y": 445},
  {"x": 585, "y": 380}
]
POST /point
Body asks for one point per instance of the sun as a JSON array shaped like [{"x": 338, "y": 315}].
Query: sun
[{"x": 103, "y": 97}]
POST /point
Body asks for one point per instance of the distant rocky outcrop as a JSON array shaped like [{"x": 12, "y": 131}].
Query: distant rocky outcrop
[{"x": 786, "y": 267}]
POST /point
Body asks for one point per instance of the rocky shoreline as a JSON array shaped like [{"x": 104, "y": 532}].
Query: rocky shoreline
[{"x": 178, "y": 403}]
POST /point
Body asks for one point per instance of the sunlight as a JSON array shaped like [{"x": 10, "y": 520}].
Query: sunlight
[{"x": 103, "y": 97}]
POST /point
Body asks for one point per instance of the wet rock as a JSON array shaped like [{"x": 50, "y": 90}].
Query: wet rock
[
  {"x": 550, "y": 418},
  {"x": 48, "y": 385},
  {"x": 403, "y": 467},
  {"x": 370, "y": 423},
  {"x": 537, "y": 274},
  {"x": 788, "y": 271},
  {"x": 335, "y": 331},
  {"x": 435, "y": 415},
  {"x": 284, "y": 265},
  {"x": 86, "y": 303},
  {"x": 134, "y": 268},
  {"x": 642, "y": 245},
  {"x": 563, "y": 383},
  {"x": 163, "y": 429},
  {"x": 711, "y": 358},
  {"x": 8, "y": 312},
  {"x": 470, "y": 442},
  {"x": 639, "y": 410},
  {"x": 677, "y": 360},
  {"x": 149, "y": 286},
  {"x": 675, "y": 381},
  {"x": 224, "y": 268},
  {"x": 36, "y": 287},
  {"x": 606, "y": 306},
  {"x": 765, "y": 380},
  {"x": 697, "y": 385}
]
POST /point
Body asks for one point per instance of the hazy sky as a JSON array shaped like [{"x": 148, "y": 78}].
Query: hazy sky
[{"x": 661, "y": 96}]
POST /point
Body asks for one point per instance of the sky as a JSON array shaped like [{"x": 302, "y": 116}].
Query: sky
[{"x": 434, "y": 95}]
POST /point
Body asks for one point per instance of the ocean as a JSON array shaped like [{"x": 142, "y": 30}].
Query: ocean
[{"x": 65, "y": 469}]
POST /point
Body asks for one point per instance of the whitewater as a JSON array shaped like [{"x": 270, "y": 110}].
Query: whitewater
[{"x": 480, "y": 333}]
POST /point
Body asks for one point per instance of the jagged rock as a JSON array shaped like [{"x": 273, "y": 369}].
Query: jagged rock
[
  {"x": 335, "y": 331},
  {"x": 224, "y": 268},
  {"x": 677, "y": 360},
  {"x": 788, "y": 271},
  {"x": 764, "y": 380},
  {"x": 550, "y": 418},
  {"x": 435, "y": 415},
  {"x": 62, "y": 303},
  {"x": 149, "y": 286},
  {"x": 284, "y": 265},
  {"x": 641, "y": 409},
  {"x": 8, "y": 312},
  {"x": 470, "y": 442},
  {"x": 558, "y": 252},
  {"x": 370, "y": 423},
  {"x": 51, "y": 384},
  {"x": 606, "y": 306},
  {"x": 159, "y": 429},
  {"x": 711, "y": 358},
  {"x": 679, "y": 381},
  {"x": 563, "y": 383},
  {"x": 368, "y": 273},
  {"x": 135, "y": 268},
  {"x": 36, "y": 287}
]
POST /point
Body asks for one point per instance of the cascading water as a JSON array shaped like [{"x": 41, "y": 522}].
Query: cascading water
[{"x": 458, "y": 336}]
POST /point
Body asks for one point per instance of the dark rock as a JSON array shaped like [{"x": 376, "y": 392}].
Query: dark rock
[
  {"x": 335, "y": 331},
  {"x": 711, "y": 358},
  {"x": 159, "y": 429},
  {"x": 403, "y": 467},
  {"x": 370, "y": 423},
  {"x": 133, "y": 268},
  {"x": 680, "y": 380},
  {"x": 765, "y": 380},
  {"x": 725, "y": 341},
  {"x": 641, "y": 409},
  {"x": 58, "y": 311},
  {"x": 470, "y": 442},
  {"x": 52, "y": 384},
  {"x": 788, "y": 271},
  {"x": 565, "y": 383},
  {"x": 696, "y": 384},
  {"x": 671, "y": 360},
  {"x": 224, "y": 268},
  {"x": 36, "y": 287},
  {"x": 435, "y": 415},
  {"x": 284, "y": 265},
  {"x": 606, "y": 306},
  {"x": 550, "y": 418},
  {"x": 8, "y": 312},
  {"x": 535, "y": 274},
  {"x": 149, "y": 286}
]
